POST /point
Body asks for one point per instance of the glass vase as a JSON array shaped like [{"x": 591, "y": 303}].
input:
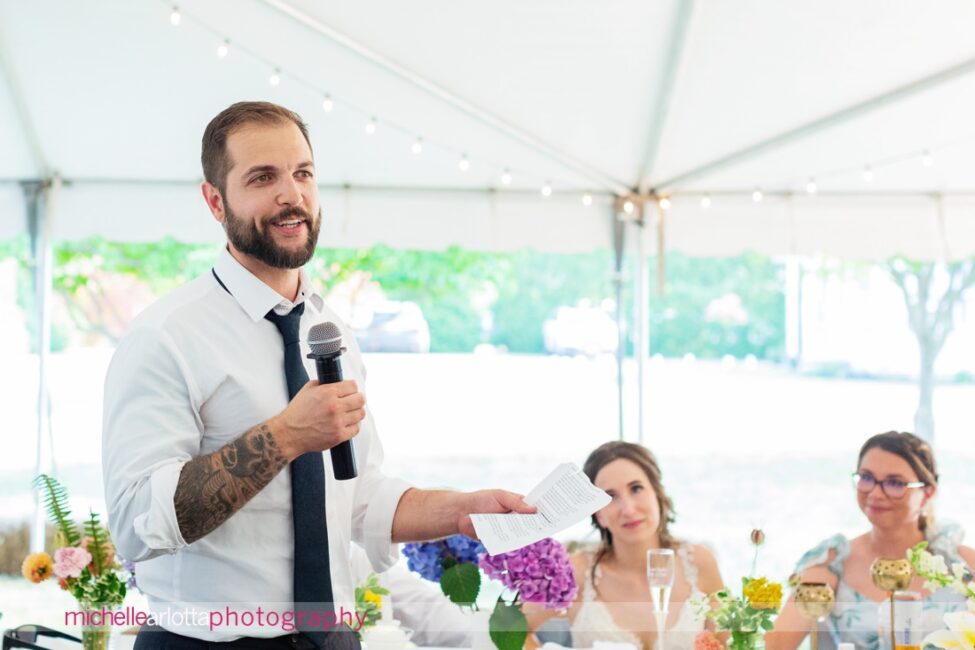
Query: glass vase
[
  {"x": 746, "y": 641},
  {"x": 95, "y": 637}
]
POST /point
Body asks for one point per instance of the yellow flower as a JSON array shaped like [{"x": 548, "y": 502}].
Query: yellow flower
[
  {"x": 762, "y": 594},
  {"x": 372, "y": 597},
  {"x": 37, "y": 567}
]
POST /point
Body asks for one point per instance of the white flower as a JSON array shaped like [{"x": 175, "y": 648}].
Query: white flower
[
  {"x": 938, "y": 565},
  {"x": 932, "y": 585},
  {"x": 924, "y": 562},
  {"x": 960, "y": 634}
]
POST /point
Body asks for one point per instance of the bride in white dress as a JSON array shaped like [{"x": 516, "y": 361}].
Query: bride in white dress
[{"x": 613, "y": 602}]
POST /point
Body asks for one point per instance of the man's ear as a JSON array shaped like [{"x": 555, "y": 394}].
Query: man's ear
[{"x": 214, "y": 200}]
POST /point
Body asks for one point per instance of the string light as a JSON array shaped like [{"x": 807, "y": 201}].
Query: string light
[
  {"x": 275, "y": 78},
  {"x": 757, "y": 195},
  {"x": 664, "y": 203},
  {"x": 706, "y": 201},
  {"x": 811, "y": 186},
  {"x": 927, "y": 159},
  {"x": 867, "y": 174},
  {"x": 628, "y": 207},
  {"x": 587, "y": 200}
]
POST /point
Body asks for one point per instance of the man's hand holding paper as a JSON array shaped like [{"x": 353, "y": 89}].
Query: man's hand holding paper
[{"x": 563, "y": 498}]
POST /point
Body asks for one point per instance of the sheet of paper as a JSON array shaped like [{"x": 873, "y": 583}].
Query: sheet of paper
[{"x": 563, "y": 498}]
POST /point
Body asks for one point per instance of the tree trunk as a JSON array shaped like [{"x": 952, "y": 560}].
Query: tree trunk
[{"x": 924, "y": 415}]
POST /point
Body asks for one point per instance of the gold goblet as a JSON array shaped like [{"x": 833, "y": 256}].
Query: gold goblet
[
  {"x": 891, "y": 576},
  {"x": 814, "y": 600}
]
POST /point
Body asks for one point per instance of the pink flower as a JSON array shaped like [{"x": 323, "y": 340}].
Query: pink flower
[
  {"x": 70, "y": 561},
  {"x": 707, "y": 641}
]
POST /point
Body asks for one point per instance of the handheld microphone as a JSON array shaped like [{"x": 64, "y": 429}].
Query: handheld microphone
[{"x": 325, "y": 341}]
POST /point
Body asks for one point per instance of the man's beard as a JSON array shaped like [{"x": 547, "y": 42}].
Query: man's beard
[{"x": 259, "y": 243}]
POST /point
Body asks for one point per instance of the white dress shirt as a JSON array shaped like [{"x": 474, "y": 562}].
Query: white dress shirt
[{"x": 196, "y": 370}]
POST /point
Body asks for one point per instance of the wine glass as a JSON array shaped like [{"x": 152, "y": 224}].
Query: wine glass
[{"x": 661, "y": 569}]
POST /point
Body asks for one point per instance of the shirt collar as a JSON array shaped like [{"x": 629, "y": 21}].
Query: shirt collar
[{"x": 255, "y": 297}]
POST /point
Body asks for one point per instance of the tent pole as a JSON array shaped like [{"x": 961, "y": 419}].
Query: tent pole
[
  {"x": 37, "y": 200},
  {"x": 640, "y": 315},
  {"x": 619, "y": 242}
]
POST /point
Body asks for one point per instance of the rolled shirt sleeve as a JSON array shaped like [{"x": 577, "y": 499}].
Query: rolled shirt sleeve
[{"x": 151, "y": 429}]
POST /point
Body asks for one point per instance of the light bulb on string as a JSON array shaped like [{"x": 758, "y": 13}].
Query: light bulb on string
[
  {"x": 867, "y": 174},
  {"x": 587, "y": 200},
  {"x": 275, "y": 77},
  {"x": 628, "y": 207},
  {"x": 506, "y": 177},
  {"x": 664, "y": 203},
  {"x": 706, "y": 201},
  {"x": 327, "y": 104},
  {"x": 417, "y": 148},
  {"x": 223, "y": 49},
  {"x": 463, "y": 164},
  {"x": 175, "y": 18},
  {"x": 927, "y": 159},
  {"x": 547, "y": 189},
  {"x": 811, "y": 186},
  {"x": 371, "y": 126},
  {"x": 757, "y": 196}
]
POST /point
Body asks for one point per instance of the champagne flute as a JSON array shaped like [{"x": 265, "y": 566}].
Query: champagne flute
[{"x": 661, "y": 570}]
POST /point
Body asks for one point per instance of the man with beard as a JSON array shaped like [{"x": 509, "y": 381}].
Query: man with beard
[{"x": 212, "y": 456}]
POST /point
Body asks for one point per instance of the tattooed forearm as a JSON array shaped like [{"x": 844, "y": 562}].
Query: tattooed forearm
[{"x": 213, "y": 487}]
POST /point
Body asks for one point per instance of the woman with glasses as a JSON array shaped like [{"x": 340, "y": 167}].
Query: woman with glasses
[{"x": 896, "y": 481}]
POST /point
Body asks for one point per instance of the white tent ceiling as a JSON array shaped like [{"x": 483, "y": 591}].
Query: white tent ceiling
[{"x": 671, "y": 96}]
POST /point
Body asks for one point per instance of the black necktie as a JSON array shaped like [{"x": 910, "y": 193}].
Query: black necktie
[{"x": 312, "y": 578}]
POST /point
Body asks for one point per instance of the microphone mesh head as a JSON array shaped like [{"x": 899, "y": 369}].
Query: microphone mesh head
[{"x": 324, "y": 338}]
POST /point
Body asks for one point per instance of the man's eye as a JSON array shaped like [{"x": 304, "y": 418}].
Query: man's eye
[
  {"x": 263, "y": 178},
  {"x": 306, "y": 173}
]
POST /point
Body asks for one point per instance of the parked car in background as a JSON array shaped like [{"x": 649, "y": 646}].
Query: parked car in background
[
  {"x": 584, "y": 330},
  {"x": 395, "y": 326}
]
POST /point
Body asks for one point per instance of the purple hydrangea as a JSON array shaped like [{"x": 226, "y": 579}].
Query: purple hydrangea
[
  {"x": 130, "y": 567},
  {"x": 539, "y": 572},
  {"x": 427, "y": 558}
]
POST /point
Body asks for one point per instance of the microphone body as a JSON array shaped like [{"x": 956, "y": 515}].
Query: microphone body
[{"x": 329, "y": 369}]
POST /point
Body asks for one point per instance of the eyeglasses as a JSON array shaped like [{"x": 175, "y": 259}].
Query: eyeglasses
[
  {"x": 893, "y": 487},
  {"x": 25, "y": 636}
]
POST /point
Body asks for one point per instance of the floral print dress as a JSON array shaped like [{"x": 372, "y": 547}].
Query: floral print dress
[{"x": 856, "y": 618}]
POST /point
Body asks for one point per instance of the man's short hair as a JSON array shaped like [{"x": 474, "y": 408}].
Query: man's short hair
[{"x": 216, "y": 161}]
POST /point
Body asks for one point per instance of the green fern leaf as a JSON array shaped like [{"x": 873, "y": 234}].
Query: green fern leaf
[
  {"x": 97, "y": 542},
  {"x": 56, "y": 500}
]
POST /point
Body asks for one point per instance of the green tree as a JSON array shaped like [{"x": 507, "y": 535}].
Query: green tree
[{"x": 681, "y": 321}]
